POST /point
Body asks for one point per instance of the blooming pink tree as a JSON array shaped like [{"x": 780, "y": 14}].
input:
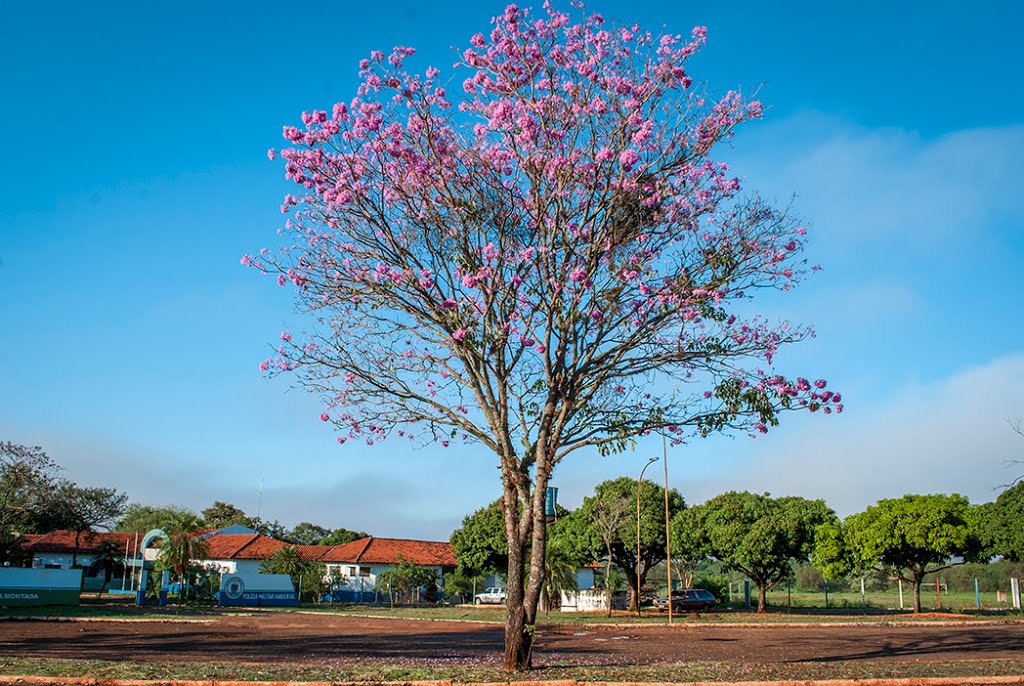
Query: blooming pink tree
[{"x": 546, "y": 263}]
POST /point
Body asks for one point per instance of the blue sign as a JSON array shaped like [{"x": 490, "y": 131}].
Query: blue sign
[
  {"x": 549, "y": 501},
  {"x": 261, "y": 599},
  {"x": 257, "y": 590}
]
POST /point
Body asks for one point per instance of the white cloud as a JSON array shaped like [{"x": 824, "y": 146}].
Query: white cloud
[
  {"x": 946, "y": 436},
  {"x": 887, "y": 188}
]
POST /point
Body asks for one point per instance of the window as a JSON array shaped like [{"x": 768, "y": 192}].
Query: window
[{"x": 364, "y": 571}]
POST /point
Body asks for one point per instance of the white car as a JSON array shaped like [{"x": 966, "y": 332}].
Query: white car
[{"x": 495, "y": 595}]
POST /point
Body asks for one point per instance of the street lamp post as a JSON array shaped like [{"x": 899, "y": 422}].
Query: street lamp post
[
  {"x": 638, "y": 482},
  {"x": 668, "y": 530}
]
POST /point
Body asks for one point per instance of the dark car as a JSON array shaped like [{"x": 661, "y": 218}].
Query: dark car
[{"x": 689, "y": 599}]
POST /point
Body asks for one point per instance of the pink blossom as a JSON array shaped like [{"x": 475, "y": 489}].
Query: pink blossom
[
  {"x": 324, "y": 417},
  {"x": 628, "y": 157},
  {"x": 271, "y": 154},
  {"x": 460, "y": 334},
  {"x": 286, "y": 336},
  {"x": 264, "y": 365},
  {"x": 820, "y": 383},
  {"x": 578, "y": 275}
]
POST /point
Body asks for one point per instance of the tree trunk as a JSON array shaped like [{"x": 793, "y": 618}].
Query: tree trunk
[
  {"x": 633, "y": 584},
  {"x": 918, "y": 579},
  {"x": 74, "y": 553},
  {"x": 762, "y": 598},
  {"x": 608, "y": 581},
  {"x": 518, "y": 637},
  {"x": 525, "y": 528}
]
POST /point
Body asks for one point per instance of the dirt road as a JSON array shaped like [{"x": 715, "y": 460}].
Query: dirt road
[{"x": 282, "y": 638}]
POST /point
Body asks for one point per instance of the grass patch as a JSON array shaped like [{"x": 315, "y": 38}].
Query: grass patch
[
  {"x": 111, "y": 610},
  {"x": 955, "y": 601},
  {"x": 496, "y": 615},
  {"x": 724, "y": 616},
  {"x": 480, "y": 671}
]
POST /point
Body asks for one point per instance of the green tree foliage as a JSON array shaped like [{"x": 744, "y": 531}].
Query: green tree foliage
[
  {"x": 343, "y": 536},
  {"x": 81, "y": 509},
  {"x": 905, "y": 538},
  {"x": 143, "y": 518},
  {"x": 288, "y": 561},
  {"x": 27, "y": 478},
  {"x": 601, "y": 526},
  {"x": 754, "y": 534},
  {"x": 307, "y": 533},
  {"x": 1003, "y": 523},
  {"x": 403, "y": 582},
  {"x": 560, "y": 567},
  {"x": 182, "y": 546},
  {"x": 462, "y": 585},
  {"x": 315, "y": 581},
  {"x": 480, "y": 544},
  {"x": 108, "y": 559},
  {"x": 593, "y": 530},
  {"x": 221, "y": 515},
  {"x": 481, "y": 547}
]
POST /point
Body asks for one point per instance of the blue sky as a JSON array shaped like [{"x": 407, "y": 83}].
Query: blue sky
[{"x": 136, "y": 176}]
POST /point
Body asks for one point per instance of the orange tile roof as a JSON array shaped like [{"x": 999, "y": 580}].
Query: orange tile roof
[
  {"x": 373, "y": 550},
  {"x": 370, "y": 550},
  {"x": 63, "y": 541},
  {"x": 313, "y": 552},
  {"x": 242, "y": 547}
]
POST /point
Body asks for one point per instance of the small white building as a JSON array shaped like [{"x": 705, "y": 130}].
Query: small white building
[
  {"x": 358, "y": 564},
  {"x": 59, "y": 550}
]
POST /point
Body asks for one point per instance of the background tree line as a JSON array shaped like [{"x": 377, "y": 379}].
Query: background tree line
[
  {"x": 759, "y": 536},
  {"x": 36, "y": 499}
]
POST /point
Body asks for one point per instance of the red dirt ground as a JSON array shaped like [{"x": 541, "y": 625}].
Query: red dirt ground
[{"x": 283, "y": 638}]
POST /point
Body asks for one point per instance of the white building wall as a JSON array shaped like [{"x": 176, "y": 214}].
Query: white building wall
[
  {"x": 592, "y": 600},
  {"x": 353, "y": 577},
  {"x": 62, "y": 560}
]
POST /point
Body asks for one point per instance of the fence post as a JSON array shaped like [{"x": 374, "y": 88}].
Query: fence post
[
  {"x": 826, "y": 594},
  {"x": 901, "y": 593},
  {"x": 938, "y": 592},
  {"x": 1015, "y": 592},
  {"x": 863, "y": 600},
  {"x": 977, "y": 594}
]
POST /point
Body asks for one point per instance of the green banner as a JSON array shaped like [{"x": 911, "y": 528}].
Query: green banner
[{"x": 27, "y": 597}]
